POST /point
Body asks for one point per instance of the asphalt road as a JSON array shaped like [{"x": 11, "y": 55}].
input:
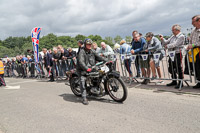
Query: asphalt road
[{"x": 31, "y": 106}]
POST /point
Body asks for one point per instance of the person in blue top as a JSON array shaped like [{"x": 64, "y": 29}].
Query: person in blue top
[
  {"x": 126, "y": 49},
  {"x": 24, "y": 62},
  {"x": 137, "y": 48}
]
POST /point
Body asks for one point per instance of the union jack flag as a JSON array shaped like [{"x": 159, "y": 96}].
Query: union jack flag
[{"x": 35, "y": 34}]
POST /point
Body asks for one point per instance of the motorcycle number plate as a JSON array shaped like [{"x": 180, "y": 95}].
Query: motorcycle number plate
[{"x": 105, "y": 68}]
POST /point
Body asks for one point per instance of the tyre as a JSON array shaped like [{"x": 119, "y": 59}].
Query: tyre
[
  {"x": 116, "y": 89},
  {"x": 75, "y": 86}
]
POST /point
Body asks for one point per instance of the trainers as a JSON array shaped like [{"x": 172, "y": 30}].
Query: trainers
[
  {"x": 144, "y": 81},
  {"x": 154, "y": 77},
  {"x": 197, "y": 86},
  {"x": 172, "y": 83},
  {"x": 178, "y": 85},
  {"x": 85, "y": 101},
  {"x": 147, "y": 81}
]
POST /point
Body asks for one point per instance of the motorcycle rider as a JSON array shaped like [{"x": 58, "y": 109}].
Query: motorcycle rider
[{"x": 87, "y": 58}]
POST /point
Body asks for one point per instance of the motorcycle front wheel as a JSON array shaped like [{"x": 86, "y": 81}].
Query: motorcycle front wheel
[{"x": 116, "y": 89}]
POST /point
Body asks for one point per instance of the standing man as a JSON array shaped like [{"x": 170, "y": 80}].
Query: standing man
[
  {"x": 137, "y": 48},
  {"x": 72, "y": 56},
  {"x": 56, "y": 57},
  {"x": 194, "y": 43},
  {"x": 80, "y": 46},
  {"x": 64, "y": 54},
  {"x": 154, "y": 47},
  {"x": 137, "y": 65},
  {"x": 48, "y": 63},
  {"x": 24, "y": 62},
  {"x": 2, "y": 81},
  {"x": 175, "y": 43}
]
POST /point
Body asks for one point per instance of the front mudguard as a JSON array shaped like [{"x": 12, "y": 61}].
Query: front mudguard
[{"x": 113, "y": 74}]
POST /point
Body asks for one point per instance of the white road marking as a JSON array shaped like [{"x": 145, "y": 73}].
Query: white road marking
[
  {"x": 23, "y": 82},
  {"x": 12, "y": 87}
]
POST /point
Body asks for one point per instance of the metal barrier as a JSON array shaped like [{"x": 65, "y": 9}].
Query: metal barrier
[
  {"x": 122, "y": 63},
  {"x": 170, "y": 57}
]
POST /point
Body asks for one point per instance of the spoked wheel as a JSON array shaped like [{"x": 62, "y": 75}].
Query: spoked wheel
[
  {"x": 75, "y": 86},
  {"x": 116, "y": 89}
]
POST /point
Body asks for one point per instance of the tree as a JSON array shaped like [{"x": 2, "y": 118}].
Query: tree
[
  {"x": 5, "y": 51},
  {"x": 80, "y": 37},
  {"x": 109, "y": 40},
  {"x": 128, "y": 39},
  {"x": 26, "y": 46},
  {"x": 48, "y": 41},
  {"x": 118, "y": 39}
]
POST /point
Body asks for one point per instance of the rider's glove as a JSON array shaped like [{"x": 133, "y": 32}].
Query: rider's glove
[
  {"x": 89, "y": 69},
  {"x": 110, "y": 62}
]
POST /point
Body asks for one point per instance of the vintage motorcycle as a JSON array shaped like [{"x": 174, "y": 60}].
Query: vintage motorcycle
[{"x": 105, "y": 79}]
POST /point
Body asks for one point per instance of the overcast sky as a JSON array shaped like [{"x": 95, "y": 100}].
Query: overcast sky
[{"x": 101, "y": 17}]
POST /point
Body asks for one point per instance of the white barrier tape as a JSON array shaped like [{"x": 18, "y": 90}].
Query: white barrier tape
[
  {"x": 156, "y": 57},
  {"x": 144, "y": 57},
  {"x": 133, "y": 57},
  {"x": 171, "y": 55}
]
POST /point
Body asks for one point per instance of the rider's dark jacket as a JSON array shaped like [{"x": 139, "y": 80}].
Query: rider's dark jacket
[{"x": 87, "y": 59}]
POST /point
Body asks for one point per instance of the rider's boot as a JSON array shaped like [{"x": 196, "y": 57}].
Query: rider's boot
[{"x": 85, "y": 101}]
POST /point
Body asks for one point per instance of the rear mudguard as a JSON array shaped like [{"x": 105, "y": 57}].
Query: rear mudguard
[{"x": 75, "y": 74}]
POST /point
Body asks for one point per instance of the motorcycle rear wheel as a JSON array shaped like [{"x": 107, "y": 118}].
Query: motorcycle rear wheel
[{"x": 75, "y": 85}]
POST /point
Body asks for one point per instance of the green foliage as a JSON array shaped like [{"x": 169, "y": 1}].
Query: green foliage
[
  {"x": 13, "y": 46},
  {"x": 118, "y": 39},
  {"x": 80, "y": 37},
  {"x": 5, "y": 51},
  {"x": 128, "y": 39},
  {"x": 109, "y": 40}
]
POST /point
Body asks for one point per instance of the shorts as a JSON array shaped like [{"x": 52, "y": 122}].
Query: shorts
[
  {"x": 157, "y": 63},
  {"x": 144, "y": 64}
]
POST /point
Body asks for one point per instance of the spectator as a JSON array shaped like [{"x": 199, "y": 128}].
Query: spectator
[
  {"x": 195, "y": 44},
  {"x": 80, "y": 46},
  {"x": 72, "y": 56},
  {"x": 137, "y": 65},
  {"x": 175, "y": 42},
  {"x": 13, "y": 66},
  {"x": 116, "y": 48},
  {"x": 126, "y": 49},
  {"x": 31, "y": 65},
  {"x": 154, "y": 46},
  {"x": 50, "y": 52},
  {"x": 64, "y": 54},
  {"x": 24, "y": 62},
  {"x": 2, "y": 81},
  {"x": 95, "y": 47},
  {"x": 48, "y": 64},
  {"x": 105, "y": 50},
  {"x": 137, "y": 48},
  {"x": 56, "y": 58},
  {"x": 140, "y": 34},
  {"x": 8, "y": 67}
]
